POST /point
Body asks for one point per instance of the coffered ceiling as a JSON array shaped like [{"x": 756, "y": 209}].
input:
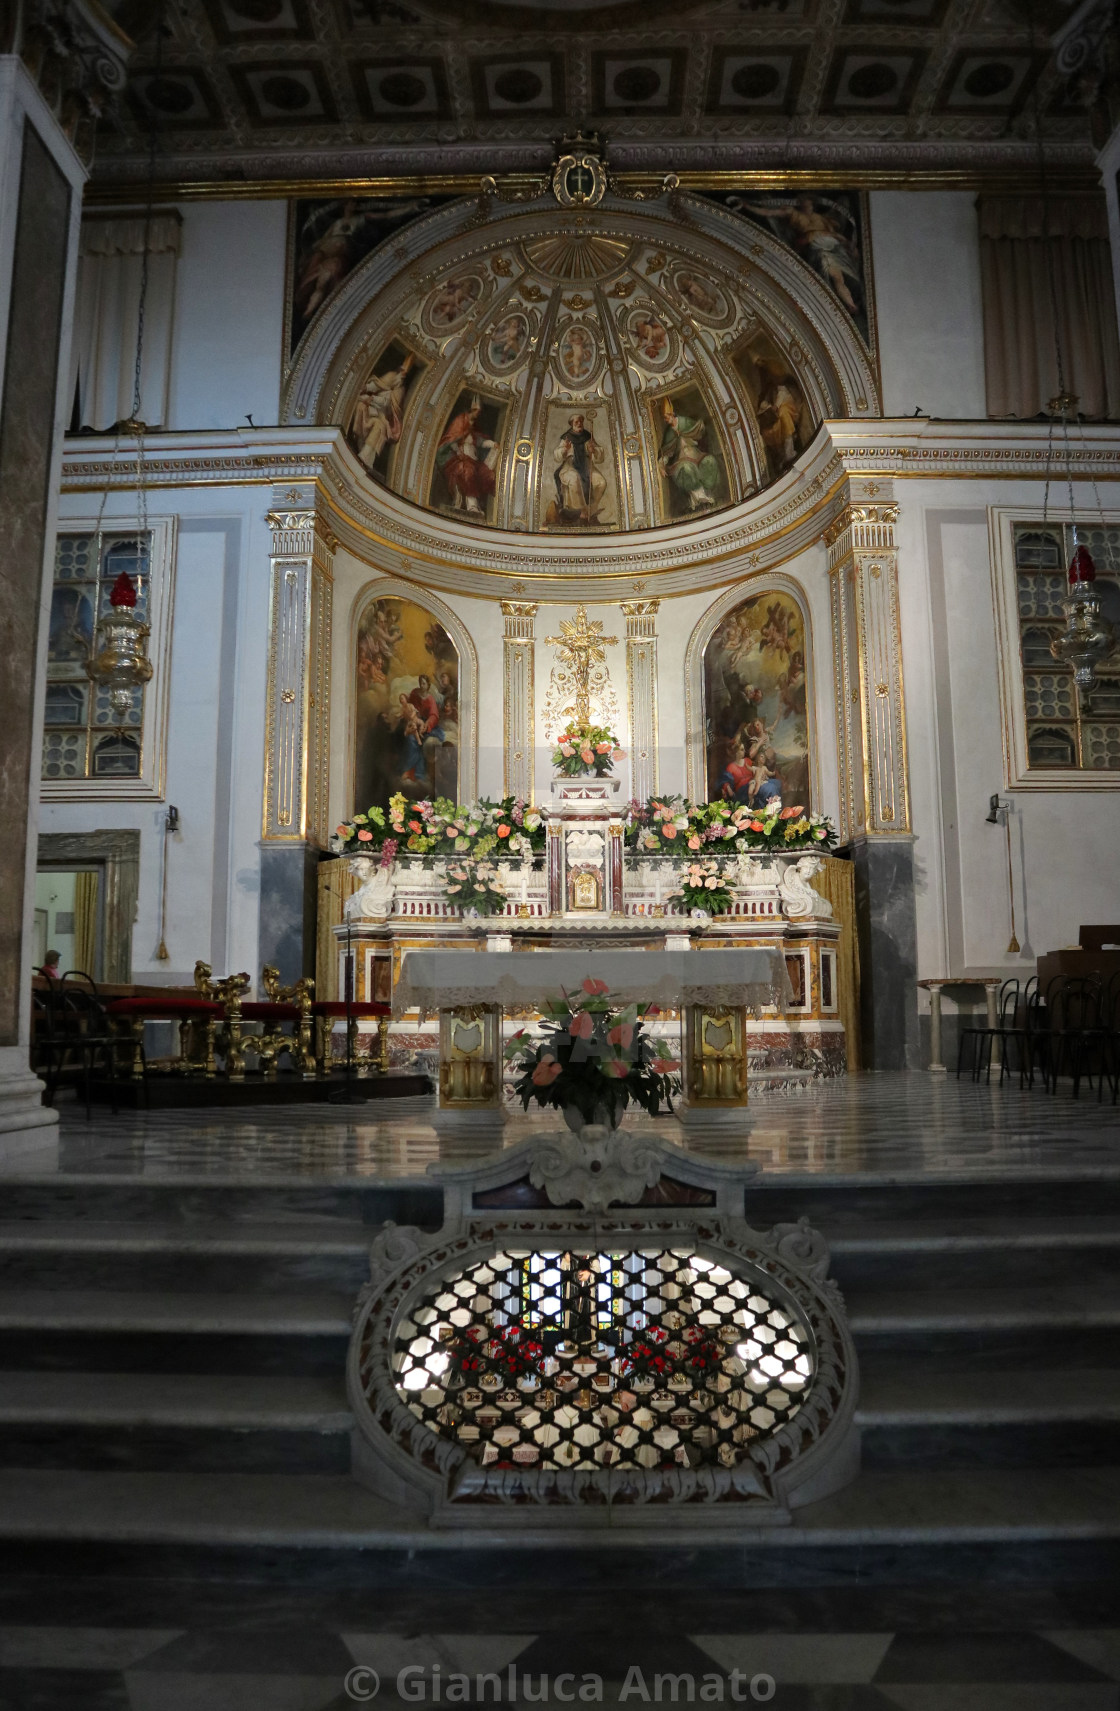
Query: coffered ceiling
[{"x": 328, "y": 89}]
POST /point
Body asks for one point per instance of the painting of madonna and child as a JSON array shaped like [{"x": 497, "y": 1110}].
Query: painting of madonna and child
[
  {"x": 756, "y": 716},
  {"x": 406, "y": 705}
]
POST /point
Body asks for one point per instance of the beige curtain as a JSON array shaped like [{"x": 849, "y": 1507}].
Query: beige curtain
[
  {"x": 837, "y": 882},
  {"x": 85, "y": 922},
  {"x": 1019, "y": 346}
]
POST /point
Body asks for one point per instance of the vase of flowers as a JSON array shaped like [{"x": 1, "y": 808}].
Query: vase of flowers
[
  {"x": 595, "y": 1058},
  {"x": 584, "y": 749},
  {"x": 702, "y": 889},
  {"x": 476, "y": 887}
]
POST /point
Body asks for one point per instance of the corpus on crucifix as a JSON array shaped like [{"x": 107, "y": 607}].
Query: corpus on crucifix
[{"x": 582, "y": 645}]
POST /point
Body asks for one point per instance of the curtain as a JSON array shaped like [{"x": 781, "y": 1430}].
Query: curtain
[
  {"x": 1016, "y": 232},
  {"x": 110, "y": 263},
  {"x": 837, "y": 882},
  {"x": 86, "y": 886}
]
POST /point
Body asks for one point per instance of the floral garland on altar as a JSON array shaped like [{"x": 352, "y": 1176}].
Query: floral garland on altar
[
  {"x": 508, "y": 830},
  {"x": 673, "y": 826},
  {"x": 583, "y": 749}
]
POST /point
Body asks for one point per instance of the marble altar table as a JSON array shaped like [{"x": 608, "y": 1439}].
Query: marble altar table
[{"x": 714, "y": 989}]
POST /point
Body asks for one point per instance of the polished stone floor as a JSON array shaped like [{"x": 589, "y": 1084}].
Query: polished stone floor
[
  {"x": 917, "y": 1653},
  {"x": 896, "y": 1126}
]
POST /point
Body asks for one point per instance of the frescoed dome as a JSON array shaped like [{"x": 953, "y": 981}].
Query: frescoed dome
[{"x": 564, "y": 372}]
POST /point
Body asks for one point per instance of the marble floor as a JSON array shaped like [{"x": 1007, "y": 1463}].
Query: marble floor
[
  {"x": 879, "y": 1126},
  {"x": 284, "y": 1658}
]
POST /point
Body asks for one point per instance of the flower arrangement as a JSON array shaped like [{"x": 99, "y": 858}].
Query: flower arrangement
[
  {"x": 584, "y": 749},
  {"x": 702, "y": 886},
  {"x": 476, "y": 885},
  {"x": 697, "y": 1354},
  {"x": 507, "y": 1349},
  {"x": 672, "y": 826},
  {"x": 594, "y": 1059},
  {"x": 508, "y": 830}
]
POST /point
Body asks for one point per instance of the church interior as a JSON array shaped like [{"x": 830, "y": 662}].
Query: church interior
[{"x": 560, "y": 918}]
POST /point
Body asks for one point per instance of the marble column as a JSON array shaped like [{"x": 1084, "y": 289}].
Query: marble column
[
  {"x": 518, "y": 697},
  {"x": 641, "y": 686},
  {"x": 874, "y": 773},
  {"x": 297, "y": 733},
  {"x": 43, "y": 144}
]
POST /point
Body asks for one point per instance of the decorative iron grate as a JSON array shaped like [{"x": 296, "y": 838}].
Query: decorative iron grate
[{"x": 645, "y": 1358}]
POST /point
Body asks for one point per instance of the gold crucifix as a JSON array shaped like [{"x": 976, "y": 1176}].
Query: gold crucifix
[{"x": 581, "y": 645}]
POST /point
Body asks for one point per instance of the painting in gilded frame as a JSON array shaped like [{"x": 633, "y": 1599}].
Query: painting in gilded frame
[
  {"x": 406, "y": 706},
  {"x": 756, "y": 717}
]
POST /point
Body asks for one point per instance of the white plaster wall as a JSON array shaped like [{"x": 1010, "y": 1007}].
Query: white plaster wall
[
  {"x": 926, "y": 255},
  {"x": 227, "y": 355},
  {"x": 1063, "y": 878},
  {"x": 215, "y": 741}
]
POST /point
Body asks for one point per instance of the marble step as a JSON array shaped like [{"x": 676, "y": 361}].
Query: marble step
[
  {"x": 211, "y": 1256},
  {"x": 1061, "y": 1326},
  {"x": 174, "y": 1332},
  {"x": 912, "y": 1414},
  {"x": 888, "y": 1523},
  {"x": 1051, "y": 1192},
  {"x": 189, "y": 1198},
  {"x": 148, "y": 1422},
  {"x": 215, "y": 1255}
]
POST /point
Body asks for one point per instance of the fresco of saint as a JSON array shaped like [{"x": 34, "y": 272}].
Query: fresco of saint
[
  {"x": 378, "y": 416},
  {"x": 406, "y": 705},
  {"x": 579, "y": 483},
  {"x": 825, "y": 230},
  {"x": 688, "y": 457},
  {"x": 467, "y": 458},
  {"x": 333, "y": 236},
  {"x": 755, "y": 705}
]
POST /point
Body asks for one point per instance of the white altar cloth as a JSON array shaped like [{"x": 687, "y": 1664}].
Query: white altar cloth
[{"x": 450, "y": 979}]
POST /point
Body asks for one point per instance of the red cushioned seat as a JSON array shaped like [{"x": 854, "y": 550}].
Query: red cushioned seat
[
  {"x": 163, "y": 1009},
  {"x": 359, "y": 1007},
  {"x": 263, "y": 1012}
]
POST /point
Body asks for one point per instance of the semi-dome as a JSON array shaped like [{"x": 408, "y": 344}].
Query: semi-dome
[{"x": 564, "y": 372}]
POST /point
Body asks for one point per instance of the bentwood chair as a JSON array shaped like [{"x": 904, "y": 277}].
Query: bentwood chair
[
  {"x": 983, "y": 1039},
  {"x": 1076, "y": 1032}
]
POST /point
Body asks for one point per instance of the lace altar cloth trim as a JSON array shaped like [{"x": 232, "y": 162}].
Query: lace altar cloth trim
[{"x": 717, "y": 979}]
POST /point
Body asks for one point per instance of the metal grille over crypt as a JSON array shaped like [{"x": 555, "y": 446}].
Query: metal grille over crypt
[{"x": 622, "y": 1349}]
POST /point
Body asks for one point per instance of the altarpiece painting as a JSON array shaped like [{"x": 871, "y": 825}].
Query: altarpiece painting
[
  {"x": 756, "y": 719},
  {"x": 406, "y": 709}
]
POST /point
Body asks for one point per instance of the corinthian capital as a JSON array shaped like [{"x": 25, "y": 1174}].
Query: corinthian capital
[{"x": 77, "y": 56}]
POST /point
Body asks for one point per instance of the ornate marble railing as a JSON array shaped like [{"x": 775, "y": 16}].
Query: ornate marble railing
[{"x": 764, "y": 888}]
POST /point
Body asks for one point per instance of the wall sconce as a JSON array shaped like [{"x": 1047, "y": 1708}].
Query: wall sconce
[{"x": 999, "y": 809}]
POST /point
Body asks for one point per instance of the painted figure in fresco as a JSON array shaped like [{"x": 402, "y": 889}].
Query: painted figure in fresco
[
  {"x": 378, "y": 414},
  {"x": 507, "y": 341},
  {"x": 776, "y": 630},
  {"x": 822, "y": 235},
  {"x": 467, "y": 458},
  {"x": 779, "y": 414},
  {"x": 650, "y": 337},
  {"x": 452, "y": 301},
  {"x": 757, "y": 729},
  {"x": 577, "y": 354},
  {"x": 685, "y": 460},
  {"x": 580, "y": 486},
  {"x": 698, "y": 292},
  {"x": 791, "y": 686},
  {"x": 428, "y": 707},
  {"x": 328, "y": 259}
]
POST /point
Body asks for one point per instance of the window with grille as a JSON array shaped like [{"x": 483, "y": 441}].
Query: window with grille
[
  {"x": 1066, "y": 729},
  {"x": 646, "y": 1358},
  {"x": 83, "y": 735}
]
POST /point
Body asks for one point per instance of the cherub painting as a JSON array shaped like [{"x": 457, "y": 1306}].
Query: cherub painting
[
  {"x": 451, "y": 302},
  {"x": 755, "y": 704},
  {"x": 650, "y": 338},
  {"x": 507, "y": 341},
  {"x": 578, "y": 353},
  {"x": 699, "y": 293},
  {"x": 406, "y": 705}
]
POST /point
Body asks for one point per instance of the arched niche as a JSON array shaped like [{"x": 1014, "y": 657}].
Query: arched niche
[
  {"x": 749, "y": 679},
  {"x": 399, "y": 634}
]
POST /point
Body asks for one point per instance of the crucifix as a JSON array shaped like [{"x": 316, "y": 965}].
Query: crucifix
[{"x": 581, "y": 645}]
